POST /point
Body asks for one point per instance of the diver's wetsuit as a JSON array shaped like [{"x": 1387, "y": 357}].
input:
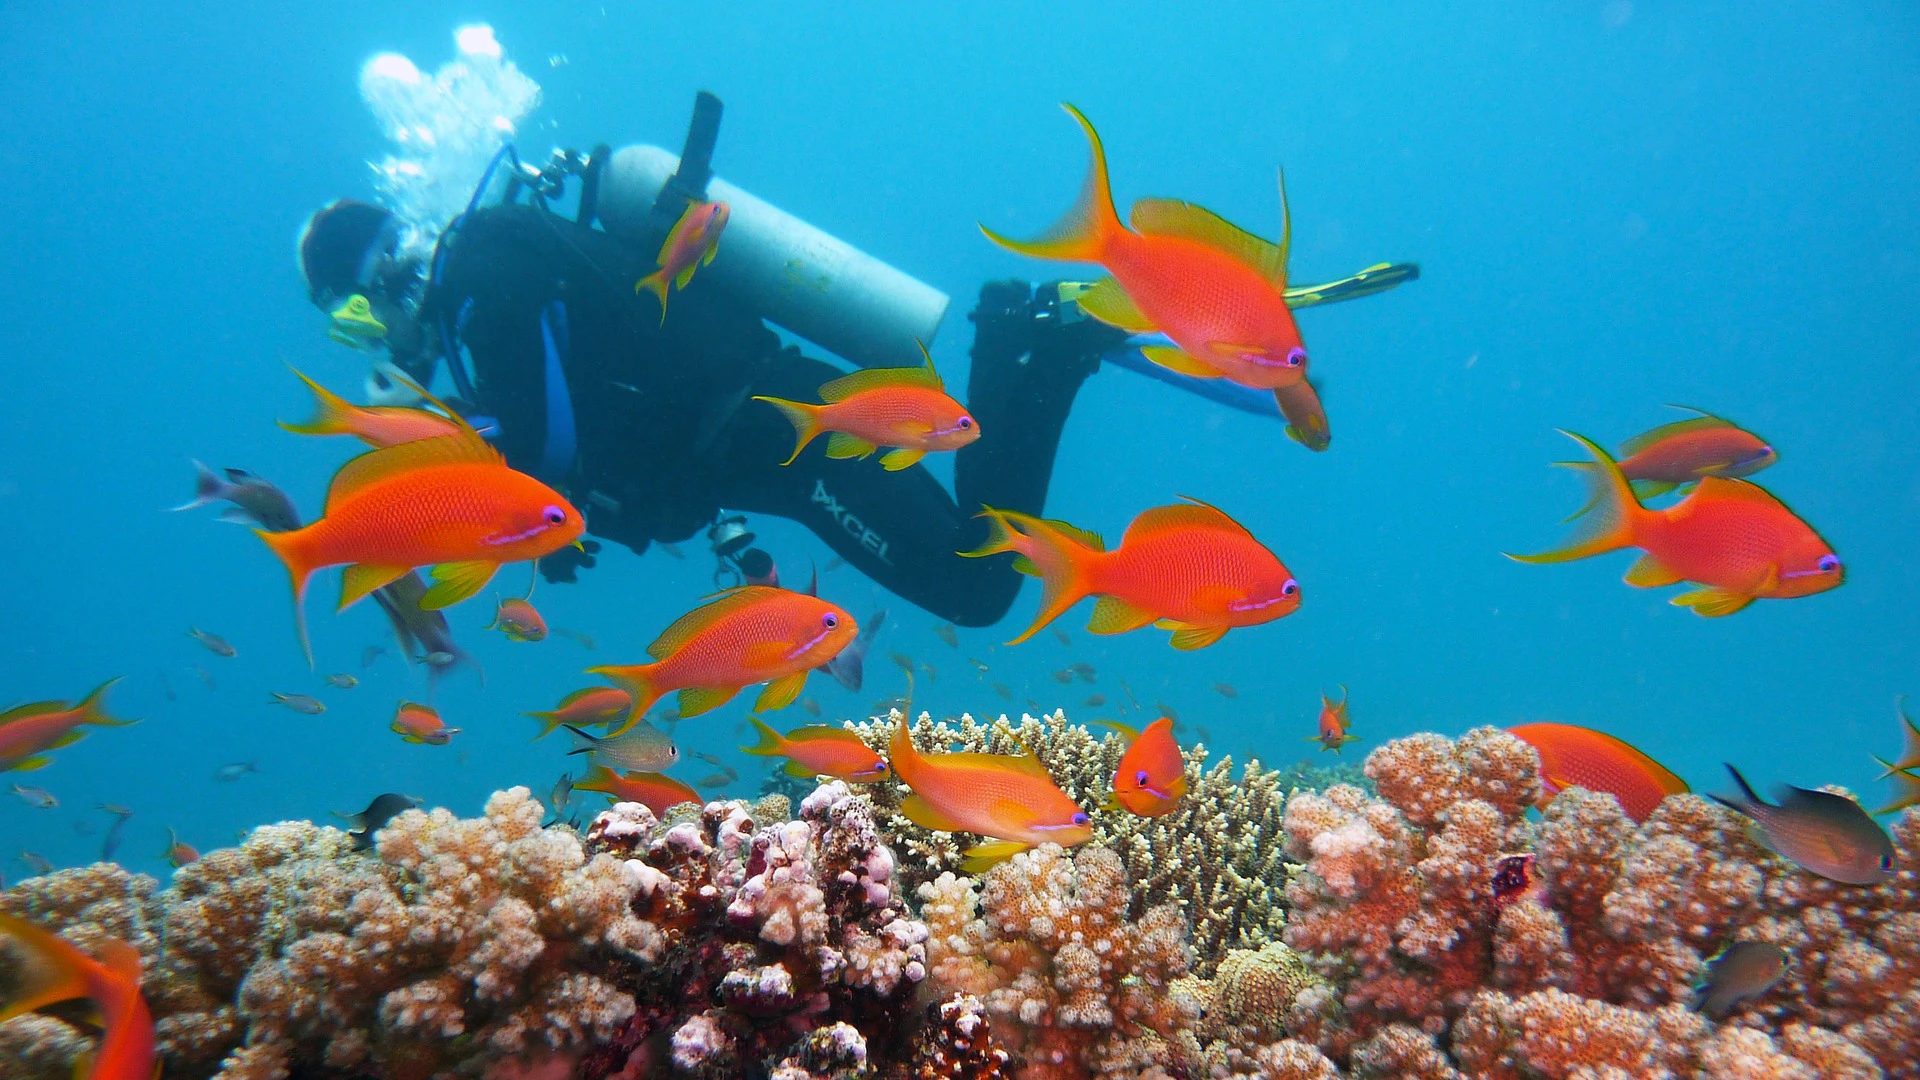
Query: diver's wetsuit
[{"x": 666, "y": 433}]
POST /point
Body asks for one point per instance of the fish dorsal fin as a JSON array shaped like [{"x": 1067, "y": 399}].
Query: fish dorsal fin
[
  {"x": 720, "y": 606},
  {"x": 1703, "y": 422},
  {"x": 371, "y": 468},
  {"x": 866, "y": 379},
  {"x": 1714, "y": 488},
  {"x": 1126, "y": 732},
  {"x": 1085, "y": 536},
  {"x": 823, "y": 733},
  {"x": 1190, "y": 514},
  {"x": 36, "y": 708},
  {"x": 1171, "y": 217}
]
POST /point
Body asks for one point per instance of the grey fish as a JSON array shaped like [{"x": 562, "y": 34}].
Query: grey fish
[
  {"x": 711, "y": 759},
  {"x": 343, "y": 682},
  {"x": 38, "y": 798},
  {"x": 255, "y": 501},
  {"x": 382, "y": 809},
  {"x": 299, "y": 703},
  {"x": 848, "y": 668},
  {"x": 424, "y": 635},
  {"x": 36, "y": 862},
  {"x": 111, "y": 842},
  {"x": 945, "y": 632},
  {"x": 719, "y": 779},
  {"x": 641, "y": 748},
  {"x": 1085, "y": 671},
  {"x": 1743, "y": 970},
  {"x": 562, "y": 793},
  {"x": 205, "y": 677},
  {"x": 1818, "y": 831},
  {"x": 213, "y": 643},
  {"x": 371, "y": 653},
  {"x": 234, "y": 770}
]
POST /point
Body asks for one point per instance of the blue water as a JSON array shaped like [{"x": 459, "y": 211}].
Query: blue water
[{"x": 1614, "y": 207}]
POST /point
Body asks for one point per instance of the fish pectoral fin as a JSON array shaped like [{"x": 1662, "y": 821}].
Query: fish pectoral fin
[
  {"x": 1107, "y": 301},
  {"x": 1112, "y": 803},
  {"x": 1712, "y": 603},
  {"x": 917, "y": 809},
  {"x": 842, "y": 445},
  {"x": 695, "y": 700},
  {"x": 360, "y": 579},
  {"x": 1187, "y": 637},
  {"x": 1178, "y": 361},
  {"x": 781, "y": 692},
  {"x": 980, "y": 858},
  {"x": 1648, "y": 572},
  {"x": 455, "y": 581},
  {"x": 903, "y": 458},
  {"x": 1112, "y": 615}
]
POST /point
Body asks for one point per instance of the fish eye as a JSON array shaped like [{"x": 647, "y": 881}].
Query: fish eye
[
  {"x": 1296, "y": 356},
  {"x": 1829, "y": 563},
  {"x": 1290, "y": 587},
  {"x": 1081, "y": 818},
  {"x": 966, "y": 422},
  {"x": 1140, "y": 777},
  {"x": 554, "y": 515},
  {"x": 829, "y": 620}
]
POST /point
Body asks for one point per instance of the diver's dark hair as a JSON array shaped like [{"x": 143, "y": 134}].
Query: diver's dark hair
[{"x": 339, "y": 246}]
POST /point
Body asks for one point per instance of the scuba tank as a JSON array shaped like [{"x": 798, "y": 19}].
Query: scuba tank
[{"x": 792, "y": 274}]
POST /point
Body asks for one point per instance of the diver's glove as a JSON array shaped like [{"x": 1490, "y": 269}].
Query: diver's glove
[{"x": 563, "y": 566}]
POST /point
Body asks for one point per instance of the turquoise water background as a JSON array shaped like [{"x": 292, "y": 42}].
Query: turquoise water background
[{"x": 1614, "y": 206}]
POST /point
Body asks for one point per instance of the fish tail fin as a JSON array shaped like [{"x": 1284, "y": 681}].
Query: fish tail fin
[
  {"x": 902, "y": 758},
  {"x": 804, "y": 418},
  {"x": 1083, "y": 233},
  {"x": 1001, "y": 536},
  {"x": 291, "y": 551},
  {"x": 207, "y": 487},
  {"x": 771, "y": 743},
  {"x": 587, "y": 739},
  {"x": 1609, "y": 522},
  {"x": 655, "y": 283},
  {"x": 1745, "y": 801},
  {"x": 58, "y": 976},
  {"x": 1062, "y": 564},
  {"x": 92, "y": 708},
  {"x": 638, "y": 681},
  {"x": 332, "y": 413},
  {"x": 548, "y": 721},
  {"x": 598, "y": 778}
]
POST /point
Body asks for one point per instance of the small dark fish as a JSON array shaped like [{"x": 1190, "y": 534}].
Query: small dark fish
[
  {"x": 1818, "y": 831},
  {"x": 36, "y": 862},
  {"x": 902, "y": 661},
  {"x": 255, "y": 501},
  {"x": 811, "y": 706},
  {"x": 671, "y": 549},
  {"x": 1085, "y": 671},
  {"x": 371, "y": 653},
  {"x": 213, "y": 643},
  {"x": 382, "y": 809},
  {"x": 38, "y": 798},
  {"x": 1035, "y": 706},
  {"x": 1225, "y": 690},
  {"x": 979, "y": 667},
  {"x": 1205, "y": 735},
  {"x": 1063, "y": 676},
  {"x": 423, "y": 635},
  {"x": 1166, "y": 710},
  {"x": 232, "y": 771},
  {"x": 343, "y": 682},
  {"x": 299, "y": 703},
  {"x": 1003, "y": 690},
  {"x": 833, "y": 564},
  {"x": 576, "y": 637},
  {"x": 887, "y": 705},
  {"x": 205, "y": 677},
  {"x": 439, "y": 658},
  {"x": 932, "y": 675},
  {"x": 849, "y": 667},
  {"x": 711, "y": 759},
  {"x": 719, "y": 779},
  {"x": 1062, "y": 635},
  {"x": 945, "y": 632},
  {"x": 1742, "y": 970},
  {"x": 111, "y": 842},
  {"x": 1094, "y": 701},
  {"x": 1128, "y": 690},
  {"x": 562, "y": 793},
  {"x": 115, "y": 809}
]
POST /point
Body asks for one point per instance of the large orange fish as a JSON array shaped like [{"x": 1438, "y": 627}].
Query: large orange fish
[
  {"x": 820, "y": 750},
  {"x": 1678, "y": 455},
  {"x": 1010, "y": 797},
  {"x": 752, "y": 634},
  {"x": 60, "y": 972},
  {"x": 1188, "y": 568},
  {"x": 27, "y": 731},
  {"x": 592, "y": 705},
  {"x": 1216, "y": 291},
  {"x": 1152, "y": 776},
  {"x": 448, "y": 502},
  {"x": 375, "y": 425},
  {"x": 1572, "y": 756},
  {"x": 692, "y": 243},
  {"x": 656, "y": 791},
  {"x": 1730, "y": 536},
  {"x": 907, "y": 408}
]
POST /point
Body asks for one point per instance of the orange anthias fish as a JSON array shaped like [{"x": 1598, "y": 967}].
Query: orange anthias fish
[
  {"x": 819, "y": 750},
  {"x": 516, "y": 618},
  {"x": 60, "y": 972},
  {"x": 691, "y": 244},
  {"x": 27, "y": 731},
  {"x": 592, "y": 705},
  {"x": 907, "y": 408},
  {"x": 179, "y": 853},
  {"x": 1188, "y": 568},
  {"x": 450, "y": 502},
  {"x": 1217, "y": 291},
  {"x": 1152, "y": 776},
  {"x": 657, "y": 792},
  {"x": 1680, "y": 454},
  {"x": 1572, "y": 756},
  {"x": 1904, "y": 770},
  {"x": 375, "y": 425},
  {"x": 1333, "y": 724},
  {"x": 416, "y": 723},
  {"x": 1011, "y": 798},
  {"x": 1730, "y": 536},
  {"x": 752, "y": 634}
]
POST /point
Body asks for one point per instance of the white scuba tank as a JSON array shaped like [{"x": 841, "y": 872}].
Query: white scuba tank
[{"x": 795, "y": 276}]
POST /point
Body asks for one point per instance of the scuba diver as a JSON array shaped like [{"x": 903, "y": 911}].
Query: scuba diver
[{"x": 644, "y": 417}]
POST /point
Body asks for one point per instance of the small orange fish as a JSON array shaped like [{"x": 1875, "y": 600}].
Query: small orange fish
[
  {"x": 1188, "y": 568},
  {"x": 1306, "y": 419},
  {"x": 375, "y": 425},
  {"x": 747, "y": 635},
  {"x": 1729, "y": 535},
  {"x": 592, "y": 705},
  {"x": 655, "y": 791},
  {"x": 450, "y": 502},
  {"x": 516, "y": 618},
  {"x": 691, "y": 244},
  {"x": 179, "y": 853},
  {"x": 1573, "y": 756},
  {"x": 819, "y": 750},
  {"x": 1152, "y": 775},
  {"x": 1677, "y": 455},
  {"x": 907, "y": 408},
  {"x": 61, "y": 972},
  {"x": 1333, "y": 724},
  {"x": 1217, "y": 291},
  {"x": 416, "y": 723},
  {"x": 1011, "y": 798},
  {"x": 27, "y": 731}
]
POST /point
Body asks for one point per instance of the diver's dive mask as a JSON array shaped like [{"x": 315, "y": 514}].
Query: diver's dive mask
[{"x": 353, "y": 324}]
